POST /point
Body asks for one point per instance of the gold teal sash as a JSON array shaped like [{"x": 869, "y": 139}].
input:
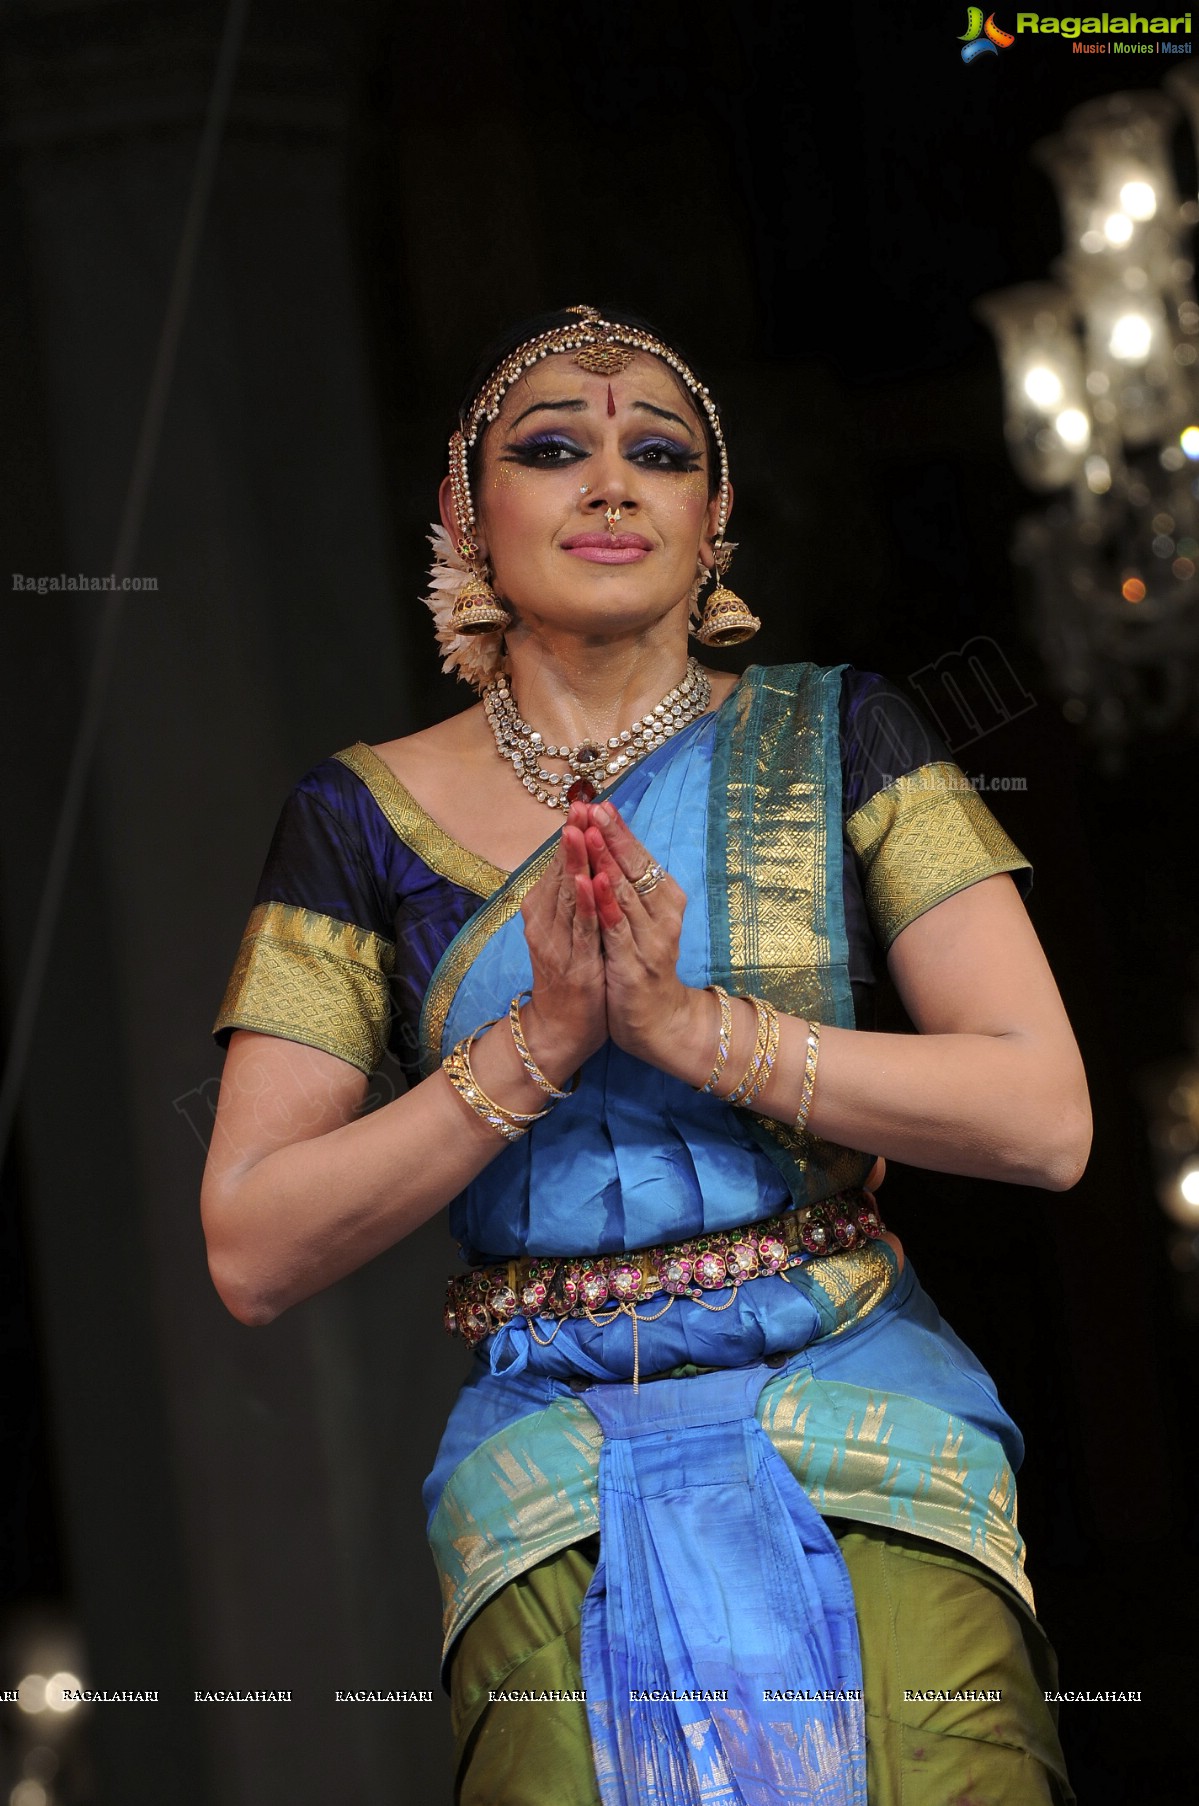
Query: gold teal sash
[{"x": 776, "y": 907}]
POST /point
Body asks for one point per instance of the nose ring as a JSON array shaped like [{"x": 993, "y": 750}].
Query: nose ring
[
  {"x": 611, "y": 516},
  {"x": 583, "y": 488}
]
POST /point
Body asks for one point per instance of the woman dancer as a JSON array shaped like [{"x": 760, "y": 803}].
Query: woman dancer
[{"x": 725, "y": 1512}]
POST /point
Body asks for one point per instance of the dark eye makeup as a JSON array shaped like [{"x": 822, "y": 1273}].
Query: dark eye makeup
[
  {"x": 545, "y": 450},
  {"x": 661, "y": 453}
]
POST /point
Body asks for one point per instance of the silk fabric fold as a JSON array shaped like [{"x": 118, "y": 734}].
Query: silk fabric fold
[{"x": 719, "y": 1592}]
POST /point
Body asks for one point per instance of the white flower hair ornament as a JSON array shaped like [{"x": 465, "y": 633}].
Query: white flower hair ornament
[{"x": 477, "y": 658}]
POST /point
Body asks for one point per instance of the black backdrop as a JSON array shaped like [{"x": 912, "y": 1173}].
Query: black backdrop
[{"x": 810, "y": 198}]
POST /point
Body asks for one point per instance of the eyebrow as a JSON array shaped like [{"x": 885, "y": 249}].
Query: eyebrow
[
  {"x": 663, "y": 414},
  {"x": 578, "y": 406}
]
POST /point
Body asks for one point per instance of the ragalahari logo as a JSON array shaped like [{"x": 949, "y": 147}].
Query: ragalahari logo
[{"x": 981, "y": 37}]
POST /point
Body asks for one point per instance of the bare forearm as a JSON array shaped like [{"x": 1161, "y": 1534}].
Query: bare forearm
[
  {"x": 985, "y": 1106},
  {"x": 296, "y": 1219},
  {"x": 300, "y": 1190},
  {"x": 1000, "y": 1106}
]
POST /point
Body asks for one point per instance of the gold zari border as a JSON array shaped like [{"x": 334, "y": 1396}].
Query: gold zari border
[
  {"x": 922, "y": 839},
  {"x": 853, "y": 1282},
  {"x": 417, "y": 829},
  {"x": 776, "y": 931},
  {"x": 462, "y": 951},
  {"x": 310, "y": 978},
  {"x": 860, "y": 1478},
  {"x": 775, "y": 843}
]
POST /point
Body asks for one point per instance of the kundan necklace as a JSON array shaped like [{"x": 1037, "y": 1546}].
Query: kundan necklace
[{"x": 589, "y": 764}]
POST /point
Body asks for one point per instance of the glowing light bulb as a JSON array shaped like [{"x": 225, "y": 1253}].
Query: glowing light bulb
[
  {"x": 1043, "y": 386},
  {"x": 1188, "y": 1185},
  {"x": 1132, "y": 589},
  {"x": 1131, "y": 338},
  {"x": 1073, "y": 428},
  {"x": 1138, "y": 200},
  {"x": 1189, "y": 441},
  {"x": 1117, "y": 228}
]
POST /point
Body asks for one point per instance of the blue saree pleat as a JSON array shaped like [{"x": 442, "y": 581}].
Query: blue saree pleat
[
  {"x": 719, "y": 1588},
  {"x": 634, "y": 1156}
]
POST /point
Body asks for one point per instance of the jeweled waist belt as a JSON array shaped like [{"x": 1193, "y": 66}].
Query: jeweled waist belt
[{"x": 482, "y": 1301}]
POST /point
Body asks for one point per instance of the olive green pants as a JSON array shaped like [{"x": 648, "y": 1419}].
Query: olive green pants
[{"x": 929, "y": 1620}]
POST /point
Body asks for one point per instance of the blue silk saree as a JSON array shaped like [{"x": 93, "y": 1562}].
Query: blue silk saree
[{"x": 720, "y": 1651}]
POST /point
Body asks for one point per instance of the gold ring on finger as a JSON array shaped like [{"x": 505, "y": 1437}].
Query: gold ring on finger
[{"x": 649, "y": 880}]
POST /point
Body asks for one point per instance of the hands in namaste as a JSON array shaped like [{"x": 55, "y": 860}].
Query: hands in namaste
[
  {"x": 605, "y": 958},
  {"x": 605, "y": 954}
]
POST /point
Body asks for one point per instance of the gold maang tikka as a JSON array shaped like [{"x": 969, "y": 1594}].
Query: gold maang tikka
[{"x": 602, "y": 348}]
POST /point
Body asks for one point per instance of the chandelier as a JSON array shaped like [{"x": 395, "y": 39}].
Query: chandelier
[{"x": 1101, "y": 401}]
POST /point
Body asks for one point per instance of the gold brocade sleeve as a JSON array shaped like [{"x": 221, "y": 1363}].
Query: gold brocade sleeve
[
  {"x": 310, "y": 978},
  {"x": 920, "y": 840}
]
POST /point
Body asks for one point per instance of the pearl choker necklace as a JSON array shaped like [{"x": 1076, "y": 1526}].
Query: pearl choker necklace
[{"x": 590, "y": 764}]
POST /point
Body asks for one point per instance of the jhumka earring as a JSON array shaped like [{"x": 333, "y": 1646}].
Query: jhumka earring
[
  {"x": 477, "y": 608},
  {"x": 726, "y": 620}
]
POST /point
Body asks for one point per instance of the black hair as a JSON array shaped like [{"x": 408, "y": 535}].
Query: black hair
[{"x": 520, "y": 334}]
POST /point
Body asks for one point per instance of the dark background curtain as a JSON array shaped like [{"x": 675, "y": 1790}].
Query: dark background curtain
[{"x": 808, "y": 199}]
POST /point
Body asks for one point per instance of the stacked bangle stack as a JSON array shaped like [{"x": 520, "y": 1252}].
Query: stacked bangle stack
[
  {"x": 511, "y": 1124},
  {"x": 756, "y": 1077}
]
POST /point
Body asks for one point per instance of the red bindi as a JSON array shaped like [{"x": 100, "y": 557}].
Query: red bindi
[{"x": 611, "y": 402}]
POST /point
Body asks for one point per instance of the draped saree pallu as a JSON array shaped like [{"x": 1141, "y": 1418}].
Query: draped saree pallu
[{"x": 720, "y": 1589}]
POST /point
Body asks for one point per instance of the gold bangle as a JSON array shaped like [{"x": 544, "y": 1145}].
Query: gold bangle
[
  {"x": 766, "y": 1065},
  {"x": 526, "y": 1059},
  {"x": 511, "y": 1124},
  {"x": 724, "y": 1038},
  {"x": 809, "y": 1078},
  {"x": 755, "y": 1060},
  {"x": 757, "y": 1074}
]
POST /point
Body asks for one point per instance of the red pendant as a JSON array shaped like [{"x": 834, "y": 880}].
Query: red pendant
[{"x": 581, "y": 791}]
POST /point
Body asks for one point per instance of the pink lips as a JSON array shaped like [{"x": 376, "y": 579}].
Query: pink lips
[{"x": 608, "y": 548}]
